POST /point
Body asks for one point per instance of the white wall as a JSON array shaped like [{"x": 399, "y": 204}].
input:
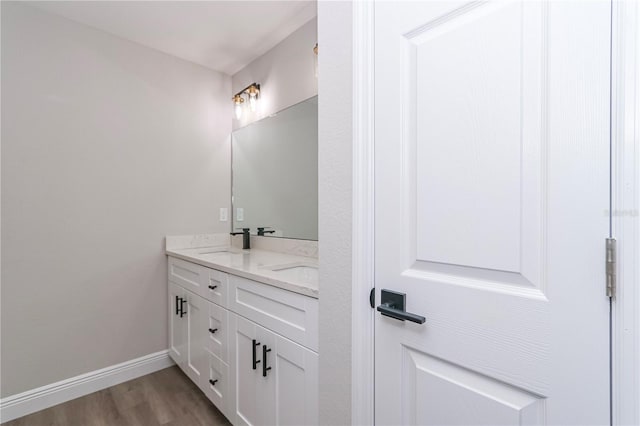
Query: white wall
[
  {"x": 106, "y": 147},
  {"x": 335, "y": 200},
  {"x": 285, "y": 73}
]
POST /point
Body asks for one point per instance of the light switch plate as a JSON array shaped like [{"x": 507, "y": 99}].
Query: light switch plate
[
  {"x": 239, "y": 214},
  {"x": 224, "y": 214}
]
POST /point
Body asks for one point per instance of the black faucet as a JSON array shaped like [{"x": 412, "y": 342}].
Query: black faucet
[
  {"x": 246, "y": 238},
  {"x": 261, "y": 231}
]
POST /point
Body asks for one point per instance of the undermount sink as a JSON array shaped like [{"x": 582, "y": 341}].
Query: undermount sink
[
  {"x": 219, "y": 253},
  {"x": 299, "y": 271}
]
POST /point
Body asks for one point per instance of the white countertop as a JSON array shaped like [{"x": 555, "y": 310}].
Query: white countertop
[{"x": 290, "y": 272}]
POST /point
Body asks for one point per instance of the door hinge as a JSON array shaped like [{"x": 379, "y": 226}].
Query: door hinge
[{"x": 610, "y": 260}]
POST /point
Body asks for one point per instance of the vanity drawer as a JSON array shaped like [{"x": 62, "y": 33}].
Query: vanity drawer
[
  {"x": 186, "y": 274},
  {"x": 290, "y": 314},
  {"x": 216, "y": 286},
  {"x": 218, "y": 331},
  {"x": 217, "y": 386}
]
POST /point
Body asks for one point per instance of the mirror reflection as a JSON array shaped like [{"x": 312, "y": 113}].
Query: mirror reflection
[{"x": 275, "y": 173}]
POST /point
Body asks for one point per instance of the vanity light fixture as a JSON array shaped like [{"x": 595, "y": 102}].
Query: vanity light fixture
[{"x": 252, "y": 92}]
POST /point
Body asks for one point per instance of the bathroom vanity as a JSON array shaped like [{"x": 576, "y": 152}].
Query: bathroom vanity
[{"x": 243, "y": 325}]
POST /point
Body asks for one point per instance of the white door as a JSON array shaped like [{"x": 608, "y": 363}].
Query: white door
[{"x": 491, "y": 174}]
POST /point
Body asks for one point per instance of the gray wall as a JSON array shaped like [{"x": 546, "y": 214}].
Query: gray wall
[
  {"x": 335, "y": 211},
  {"x": 106, "y": 147},
  {"x": 285, "y": 73}
]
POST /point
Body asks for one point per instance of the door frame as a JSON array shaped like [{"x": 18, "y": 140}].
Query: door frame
[
  {"x": 362, "y": 316},
  {"x": 625, "y": 205},
  {"x": 625, "y": 209}
]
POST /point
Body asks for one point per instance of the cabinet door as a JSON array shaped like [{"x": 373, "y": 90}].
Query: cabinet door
[
  {"x": 295, "y": 373},
  {"x": 282, "y": 389},
  {"x": 177, "y": 326},
  {"x": 244, "y": 397},
  {"x": 253, "y": 398},
  {"x": 196, "y": 319}
]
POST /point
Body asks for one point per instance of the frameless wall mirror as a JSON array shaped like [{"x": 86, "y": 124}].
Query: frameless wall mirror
[{"x": 275, "y": 173}]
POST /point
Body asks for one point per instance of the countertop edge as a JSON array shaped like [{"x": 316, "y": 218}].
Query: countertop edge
[{"x": 295, "y": 288}]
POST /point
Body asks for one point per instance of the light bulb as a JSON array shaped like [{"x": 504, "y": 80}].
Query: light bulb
[
  {"x": 237, "y": 99},
  {"x": 253, "y": 92}
]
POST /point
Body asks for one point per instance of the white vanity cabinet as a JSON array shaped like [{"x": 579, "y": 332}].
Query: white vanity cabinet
[{"x": 250, "y": 347}]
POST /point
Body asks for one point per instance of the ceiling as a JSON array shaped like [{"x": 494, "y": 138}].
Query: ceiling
[{"x": 222, "y": 35}]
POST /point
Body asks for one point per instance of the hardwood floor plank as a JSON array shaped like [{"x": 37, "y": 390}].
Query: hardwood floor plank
[{"x": 164, "y": 398}]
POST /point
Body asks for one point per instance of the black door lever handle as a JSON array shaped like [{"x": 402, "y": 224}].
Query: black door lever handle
[
  {"x": 400, "y": 315},
  {"x": 393, "y": 305}
]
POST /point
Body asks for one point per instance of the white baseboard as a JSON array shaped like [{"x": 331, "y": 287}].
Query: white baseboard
[{"x": 43, "y": 397}]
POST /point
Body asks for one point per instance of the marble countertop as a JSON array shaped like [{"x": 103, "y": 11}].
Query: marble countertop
[{"x": 287, "y": 271}]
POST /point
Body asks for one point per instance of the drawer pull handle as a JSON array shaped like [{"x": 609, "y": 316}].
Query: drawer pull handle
[
  {"x": 213, "y": 330},
  {"x": 264, "y": 360},
  {"x": 213, "y": 287},
  {"x": 213, "y": 382},
  {"x": 177, "y": 305},
  {"x": 255, "y": 358}
]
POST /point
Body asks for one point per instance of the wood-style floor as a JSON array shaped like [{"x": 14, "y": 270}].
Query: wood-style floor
[{"x": 166, "y": 397}]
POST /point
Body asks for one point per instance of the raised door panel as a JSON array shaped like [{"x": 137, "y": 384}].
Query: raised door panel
[
  {"x": 177, "y": 326},
  {"x": 478, "y": 399},
  {"x": 197, "y": 336},
  {"x": 295, "y": 372},
  {"x": 474, "y": 147},
  {"x": 218, "y": 331}
]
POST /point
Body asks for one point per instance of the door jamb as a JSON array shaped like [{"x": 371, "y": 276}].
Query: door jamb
[
  {"x": 625, "y": 210},
  {"x": 362, "y": 333}
]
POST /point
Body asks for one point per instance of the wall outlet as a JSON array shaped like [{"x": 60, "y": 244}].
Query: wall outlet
[
  {"x": 224, "y": 214},
  {"x": 239, "y": 214}
]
